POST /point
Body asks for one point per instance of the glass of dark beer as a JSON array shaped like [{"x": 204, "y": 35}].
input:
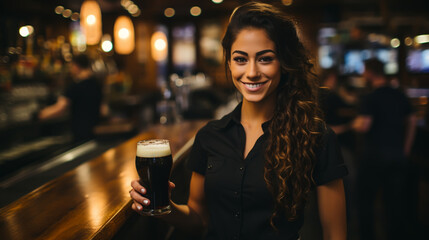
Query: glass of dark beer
[{"x": 153, "y": 163}]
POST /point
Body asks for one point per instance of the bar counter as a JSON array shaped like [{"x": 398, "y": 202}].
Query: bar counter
[{"x": 92, "y": 200}]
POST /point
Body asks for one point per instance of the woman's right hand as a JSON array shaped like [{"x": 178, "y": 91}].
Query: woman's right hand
[{"x": 137, "y": 193}]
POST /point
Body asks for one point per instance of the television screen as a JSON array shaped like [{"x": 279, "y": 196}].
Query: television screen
[
  {"x": 417, "y": 60},
  {"x": 354, "y": 60}
]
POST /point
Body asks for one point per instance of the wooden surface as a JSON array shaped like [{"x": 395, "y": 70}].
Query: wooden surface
[{"x": 92, "y": 200}]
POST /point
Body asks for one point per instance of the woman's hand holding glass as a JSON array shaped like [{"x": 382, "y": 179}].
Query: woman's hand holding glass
[{"x": 138, "y": 192}]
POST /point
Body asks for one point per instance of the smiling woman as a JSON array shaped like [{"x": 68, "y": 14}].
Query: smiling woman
[
  {"x": 252, "y": 170},
  {"x": 254, "y": 67},
  {"x": 270, "y": 67}
]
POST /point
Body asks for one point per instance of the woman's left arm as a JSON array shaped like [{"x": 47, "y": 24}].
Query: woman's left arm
[{"x": 332, "y": 210}]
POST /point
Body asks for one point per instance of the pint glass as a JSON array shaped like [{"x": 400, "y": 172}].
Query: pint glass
[{"x": 153, "y": 163}]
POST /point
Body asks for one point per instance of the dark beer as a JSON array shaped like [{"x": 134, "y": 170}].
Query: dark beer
[{"x": 153, "y": 163}]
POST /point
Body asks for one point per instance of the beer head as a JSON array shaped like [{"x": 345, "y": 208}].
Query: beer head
[{"x": 153, "y": 148}]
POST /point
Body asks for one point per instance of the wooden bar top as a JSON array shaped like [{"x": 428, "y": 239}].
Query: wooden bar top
[{"x": 92, "y": 200}]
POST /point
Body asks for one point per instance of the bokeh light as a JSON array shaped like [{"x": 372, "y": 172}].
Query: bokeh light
[
  {"x": 195, "y": 11},
  {"x": 107, "y": 46},
  {"x": 395, "y": 43},
  {"x": 74, "y": 16},
  {"x": 67, "y": 13},
  {"x": 287, "y": 2},
  {"x": 408, "y": 41},
  {"x": 169, "y": 12},
  {"x": 26, "y": 31},
  {"x": 59, "y": 10}
]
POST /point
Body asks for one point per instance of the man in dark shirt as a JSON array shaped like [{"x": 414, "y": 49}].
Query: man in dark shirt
[
  {"x": 387, "y": 119},
  {"x": 82, "y": 97},
  {"x": 337, "y": 112}
]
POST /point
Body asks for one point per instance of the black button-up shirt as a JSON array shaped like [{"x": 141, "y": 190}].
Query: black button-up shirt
[{"x": 238, "y": 200}]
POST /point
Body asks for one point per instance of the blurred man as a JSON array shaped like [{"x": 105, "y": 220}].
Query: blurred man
[
  {"x": 388, "y": 123},
  {"x": 83, "y": 98},
  {"x": 339, "y": 115}
]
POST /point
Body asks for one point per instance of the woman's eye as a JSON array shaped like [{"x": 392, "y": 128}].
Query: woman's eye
[
  {"x": 266, "y": 59},
  {"x": 239, "y": 59}
]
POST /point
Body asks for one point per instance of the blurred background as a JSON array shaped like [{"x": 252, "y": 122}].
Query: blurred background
[{"x": 160, "y": 62}]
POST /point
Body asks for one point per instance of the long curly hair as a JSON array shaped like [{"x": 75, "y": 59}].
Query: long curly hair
[{"x": 296, "y": 127}]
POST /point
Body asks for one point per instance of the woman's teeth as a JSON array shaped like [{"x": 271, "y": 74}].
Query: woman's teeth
[{"x": 253, "y": 85}]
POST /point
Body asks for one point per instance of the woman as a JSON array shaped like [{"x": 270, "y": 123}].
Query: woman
[{"x": 253, "y": 169}]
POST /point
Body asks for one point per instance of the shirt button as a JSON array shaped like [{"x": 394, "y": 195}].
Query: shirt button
[
  {"x": 236, "y": 193},
  {"x": 210, "y": 166},
  {"x": 241, "y": 168},
  {"x": 237, "y": 214}
]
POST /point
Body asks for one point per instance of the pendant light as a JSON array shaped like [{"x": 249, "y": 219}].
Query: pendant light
[
  {"x": 124, "y": 40},
  {"x": 90, "y": 21}
]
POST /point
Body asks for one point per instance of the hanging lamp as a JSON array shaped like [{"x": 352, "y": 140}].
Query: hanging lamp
[
  {"x": 124, "y": 40},
  {"x": 90, "y": 21}
]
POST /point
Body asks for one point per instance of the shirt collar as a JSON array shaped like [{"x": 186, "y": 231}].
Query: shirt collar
[
  {"x": 232, "y": 117},
  {"x": 235, "y": 117}
]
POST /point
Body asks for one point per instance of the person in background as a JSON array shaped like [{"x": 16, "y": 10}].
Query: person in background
[
  {"x": 253, "y": 170},
  {"x": 387, "y": 120},
  {"x": 83, "y": 98},
  {"x": 333, "y": 106},
  {"x": 338, "y": 115}
]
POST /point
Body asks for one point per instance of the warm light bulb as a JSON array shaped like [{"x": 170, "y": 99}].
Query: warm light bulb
[
  {"x": 91, "y": 23},
  {"x": 123, "y": 33},
  {"x": 160, "y": 44},
  {"x": 124, "y": 40},
  {"x": 91, "y": 19}
]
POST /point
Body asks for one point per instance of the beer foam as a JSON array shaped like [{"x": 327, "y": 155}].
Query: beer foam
[{"x": 155, "y": 149}]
